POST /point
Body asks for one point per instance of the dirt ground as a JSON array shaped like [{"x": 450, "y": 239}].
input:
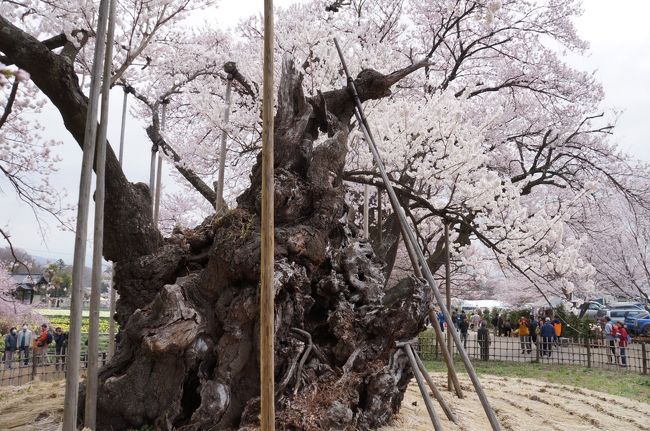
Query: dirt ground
[
  {"x": 520, "y": 404},
  {"x": 525, "y": 404}
]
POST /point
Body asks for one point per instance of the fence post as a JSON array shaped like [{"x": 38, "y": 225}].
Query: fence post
[
  {"x": 34, "y": 356},
  {"x": 537, "y": 350},
  {"x": 644, "y": 358},
  {"x": 588, "y": 352},
  {"x": 436, "y": 347}
]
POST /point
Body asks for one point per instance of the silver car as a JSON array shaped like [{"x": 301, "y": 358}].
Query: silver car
[{"x": 619, "y": 314}]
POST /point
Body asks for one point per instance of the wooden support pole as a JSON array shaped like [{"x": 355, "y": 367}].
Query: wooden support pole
[
  {"x": 81, "y": 233},
  {"x": 219, "y": 204},
  {"x": 123, "y": 126},
  {"x": 410, "y": 237},
  {"x": 434, "y": 389},
  {"x": 446, "y": 353},
  {"x": 380, "y": 233},
  {"x": 113, "y": 296},
  {"x": 152, "y": 175},
  {"x": 435, "y": 420},
  {"x": 366, "y": 199},
  {"x": 90, "y": 415},
  {"x": 267, "y": 333},
  {"x": 451, "y": 326},
  {"x": 156, "y": 205}
]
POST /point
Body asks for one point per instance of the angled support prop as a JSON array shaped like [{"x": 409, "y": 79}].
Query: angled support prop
[{"x": 410, "y": 238}]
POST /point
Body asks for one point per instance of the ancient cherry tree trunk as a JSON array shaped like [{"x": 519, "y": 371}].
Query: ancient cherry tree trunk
[{"x": 189, "y": 311}]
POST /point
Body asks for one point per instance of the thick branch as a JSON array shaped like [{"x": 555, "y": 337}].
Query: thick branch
[
  {"x": 191, "y": 176},
  {"x": 370, "y": 84},
  {"x": 231, "y": 69},
  {"x": 128, "y": 222}
]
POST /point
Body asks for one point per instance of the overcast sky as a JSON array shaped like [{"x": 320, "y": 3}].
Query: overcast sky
[{"x": 620, "y": 54}]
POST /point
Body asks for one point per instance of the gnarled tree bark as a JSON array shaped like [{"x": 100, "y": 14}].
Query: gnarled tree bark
[
  {"x": 188, "y": 307},
  {"x": 195, "y": 331}
]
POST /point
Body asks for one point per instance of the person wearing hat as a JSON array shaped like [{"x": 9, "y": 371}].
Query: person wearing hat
[{"x": 548, "y": 337}]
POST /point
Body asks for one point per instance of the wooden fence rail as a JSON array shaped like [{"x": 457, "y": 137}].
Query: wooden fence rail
[
  {"x": 586, "y": 352},
  {"x": 48, "y": 366}
]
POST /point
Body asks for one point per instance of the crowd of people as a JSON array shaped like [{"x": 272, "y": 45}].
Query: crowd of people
[
  {"x": 541, "y": 331},
  {"x": 20, "y": 345}
]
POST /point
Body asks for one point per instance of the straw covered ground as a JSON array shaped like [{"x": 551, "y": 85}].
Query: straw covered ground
[
  {"x": 525, "y": 404},
  {"x": 32, "y": 407},
  {"x": 520, "y": 404}
]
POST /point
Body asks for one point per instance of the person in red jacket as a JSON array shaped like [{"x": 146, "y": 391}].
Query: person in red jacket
[
  {"x": 41, "y": 345},
  {"x": 621, "y": 337}
]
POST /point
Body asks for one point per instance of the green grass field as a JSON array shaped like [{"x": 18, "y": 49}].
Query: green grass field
[{"x": 630, "y": 385}]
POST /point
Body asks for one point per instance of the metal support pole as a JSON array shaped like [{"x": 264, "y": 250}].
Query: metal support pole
[
  {"x": 434, "y": 389},
  {"x": 90, "y": 416},
  {"x": 81, "y": 233},
  {"x": 410, "y": 237},
  {"x": 423, "y": 390},
  {"x": 219, "y": 204},
  {"x": 451, "y": 326},
  {"x": 267, "y": 333}
]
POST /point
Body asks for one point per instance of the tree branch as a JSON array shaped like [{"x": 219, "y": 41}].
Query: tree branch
[
  {"x": 130, "y": 231},
  {"x": 10, "y": 102}
]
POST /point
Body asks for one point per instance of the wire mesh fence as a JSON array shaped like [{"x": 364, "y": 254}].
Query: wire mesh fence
[
  {"x": 23, "y": 366},
  {"x": 587, "y": 352}
]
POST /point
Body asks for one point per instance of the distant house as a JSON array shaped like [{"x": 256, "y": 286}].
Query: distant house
[{"x": 26, "y": 285}]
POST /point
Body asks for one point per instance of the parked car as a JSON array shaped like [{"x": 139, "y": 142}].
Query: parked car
[
  {"x": 620, "y": 314},
  {"x": 627, "y": 305},
  {"x": 639, "y": 324}
]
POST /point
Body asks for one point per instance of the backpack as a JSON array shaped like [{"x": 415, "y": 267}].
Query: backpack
[{"x": 49, "y": 338}]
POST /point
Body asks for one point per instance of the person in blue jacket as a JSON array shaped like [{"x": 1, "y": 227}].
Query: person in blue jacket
[
  {"x": 548, "y": 337},
  {"x": 441, "y": 320}
]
